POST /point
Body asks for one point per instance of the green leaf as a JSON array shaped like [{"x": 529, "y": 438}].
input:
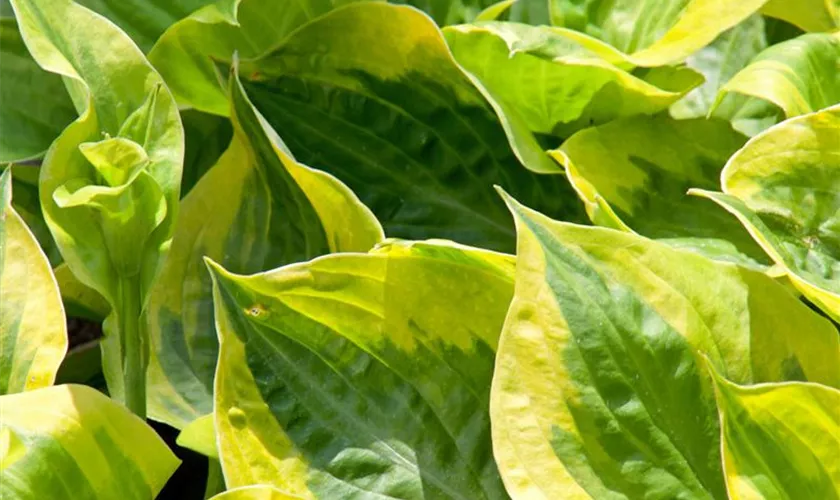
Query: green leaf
[
  {"x": 556, "y": 80},
  {"x": 495, "y": 11},
  {"x": 809, "y": 15},
  {"x": 446, "y": 12},
  {"x": 633, "y": 174},
  {"x": 80, "y": 301},
  {"x": 362, "y": 375},
  {"x": 33, "y": 334},
  {"x": 142, "y": 20},
  {"x": 780, "y": 440},
  {"x": 34, "y": 106},
  {"x": 187, "y": 54},
  {"x": 781, "y": 186},
  {"x": 206, "y": 137},
  {"x": 799, "y": 76},
  {"x": 256, "y": 492},
  {"x": 73, "y": 442},
  {"x": 403, "y": 126},
  {"x": 656, "y": 32},
  {"x": 600, "y": 390},
  {"x": 109, "y": 185},
  {"x": 718, "y": 62},
  {"x": 276, "y": 211}
]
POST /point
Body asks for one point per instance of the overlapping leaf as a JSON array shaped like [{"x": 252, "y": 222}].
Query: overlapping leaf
[
  {"x": 362, "y": 375},
  {"x": 34, "y": 107},
  {"x": 186, "y": 55},
  {"x": 255, "y": 493},
  {"x": 276, "y": 212},
  {"x": 780, "y": 440},
  {"x": 799, "y": 76},
  {"x": 33, "y": 335},
  {"x": 556, "y": 80},
  {"x": 635, "y": 173},
  {"x": 73, "y": 442},
  {"x": 782, "y": 186},
  {"x": 402, "y": 126},
  {"x": 600, "y": 390}
]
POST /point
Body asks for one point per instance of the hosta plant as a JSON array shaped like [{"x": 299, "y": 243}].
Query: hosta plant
[{"x": 419, "y": 249}]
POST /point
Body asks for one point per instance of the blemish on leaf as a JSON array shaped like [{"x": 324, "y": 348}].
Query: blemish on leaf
[
  {"x": 255, "y": 311},
  {"x": 237, "y": 418}
]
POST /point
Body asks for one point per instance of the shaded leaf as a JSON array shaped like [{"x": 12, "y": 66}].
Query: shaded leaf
[
  {"x": 634, "y": 174},
  {"x": 34, "y": 106},
  {"x": 74, "y": 442},
  {"x": 403, "y": 127},
  {"x": 600, "y": 390},
  {"x": 206, "y": 137},
  {"x": 33, "y": 334},
  {"x": 362, "y": 375}
]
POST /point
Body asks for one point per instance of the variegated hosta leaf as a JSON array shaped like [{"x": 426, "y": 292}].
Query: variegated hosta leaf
[
  {"x": 256, "y": 492},
  {"x": 633, "y": 174},
  {"x": 276, "y": 211},
  {"x": 402, "y": 126},
  {"x": 70, "y": 441},
  {"x": 34, "y": 107},
  {"x": 600, "y": 390},
  {"x": 782, "y": 186},
  {"x": 719, "y": 62},
  {"x": 362, "y": 375},
  {"x": 187, "y": 54},
  {"x": 27, "y": 204},
  {"x": 557, "y": 80},
  {"x": 799, "y": 76},
  {"x": 33, "y": 333},
  {"x": 656, "y": 32},
  {"x": 780, "y": 440},
  {"x": 109, "y": 185}
]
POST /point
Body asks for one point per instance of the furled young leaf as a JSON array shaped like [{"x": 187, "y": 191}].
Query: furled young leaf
[
  {"x": 70, "y": 441},
  {"x": 782, "y": 187},
  {"x": 719, "y": 62},
  {"x": 635, "y": 173},
  {"x": 556, "y": 80},
  {"x": 276, "y": 212},
  {"x": 34, "y": 106},
  {"x": 362, "y": 375},
  {"x": 187, "y": 54},
  {"x": 33, "y": 334},
  {"x": 109, "y": 184},
  {"x": 799, "y": 76},
  {"x": 402, "y": 126},
  {"x": 780, "y": 440},
  {"x": 256, "y": 492},
  {"x": 599, "y": 390}
]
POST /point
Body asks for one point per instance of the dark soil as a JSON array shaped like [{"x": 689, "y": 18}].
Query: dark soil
[{"x": 189, "y": 481}]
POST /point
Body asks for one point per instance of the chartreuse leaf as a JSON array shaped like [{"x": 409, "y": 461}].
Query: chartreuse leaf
[
  {"x": 782, "y": 187},
  {"x": 34, "y": 106},
  {"x": 633, "y": 174},
  {"x": 33, "y": 334},
  {"x": 403, "y": 126},
  {"x": 362, "y": 375},
  {"x": 187, "y": 54},
  {"x": 256, "y": 492},
  {"x": 780, "y": 440},
  {"x": 599, "y": 389},
  {"x": 799, "y": 76},
  {"x": 809, "y": 15},
  {"x": 276, "y": 212},
  {"x": 70, "y": 441},
  {"x": 109, "y": 185},
  {"x": 556, "y": 80},
  {"x": 719, "y": 61},
  {"x": 27, "y": 204}
]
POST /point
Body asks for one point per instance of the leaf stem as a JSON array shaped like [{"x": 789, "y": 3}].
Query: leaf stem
[{"x": 134, "y": 346}]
